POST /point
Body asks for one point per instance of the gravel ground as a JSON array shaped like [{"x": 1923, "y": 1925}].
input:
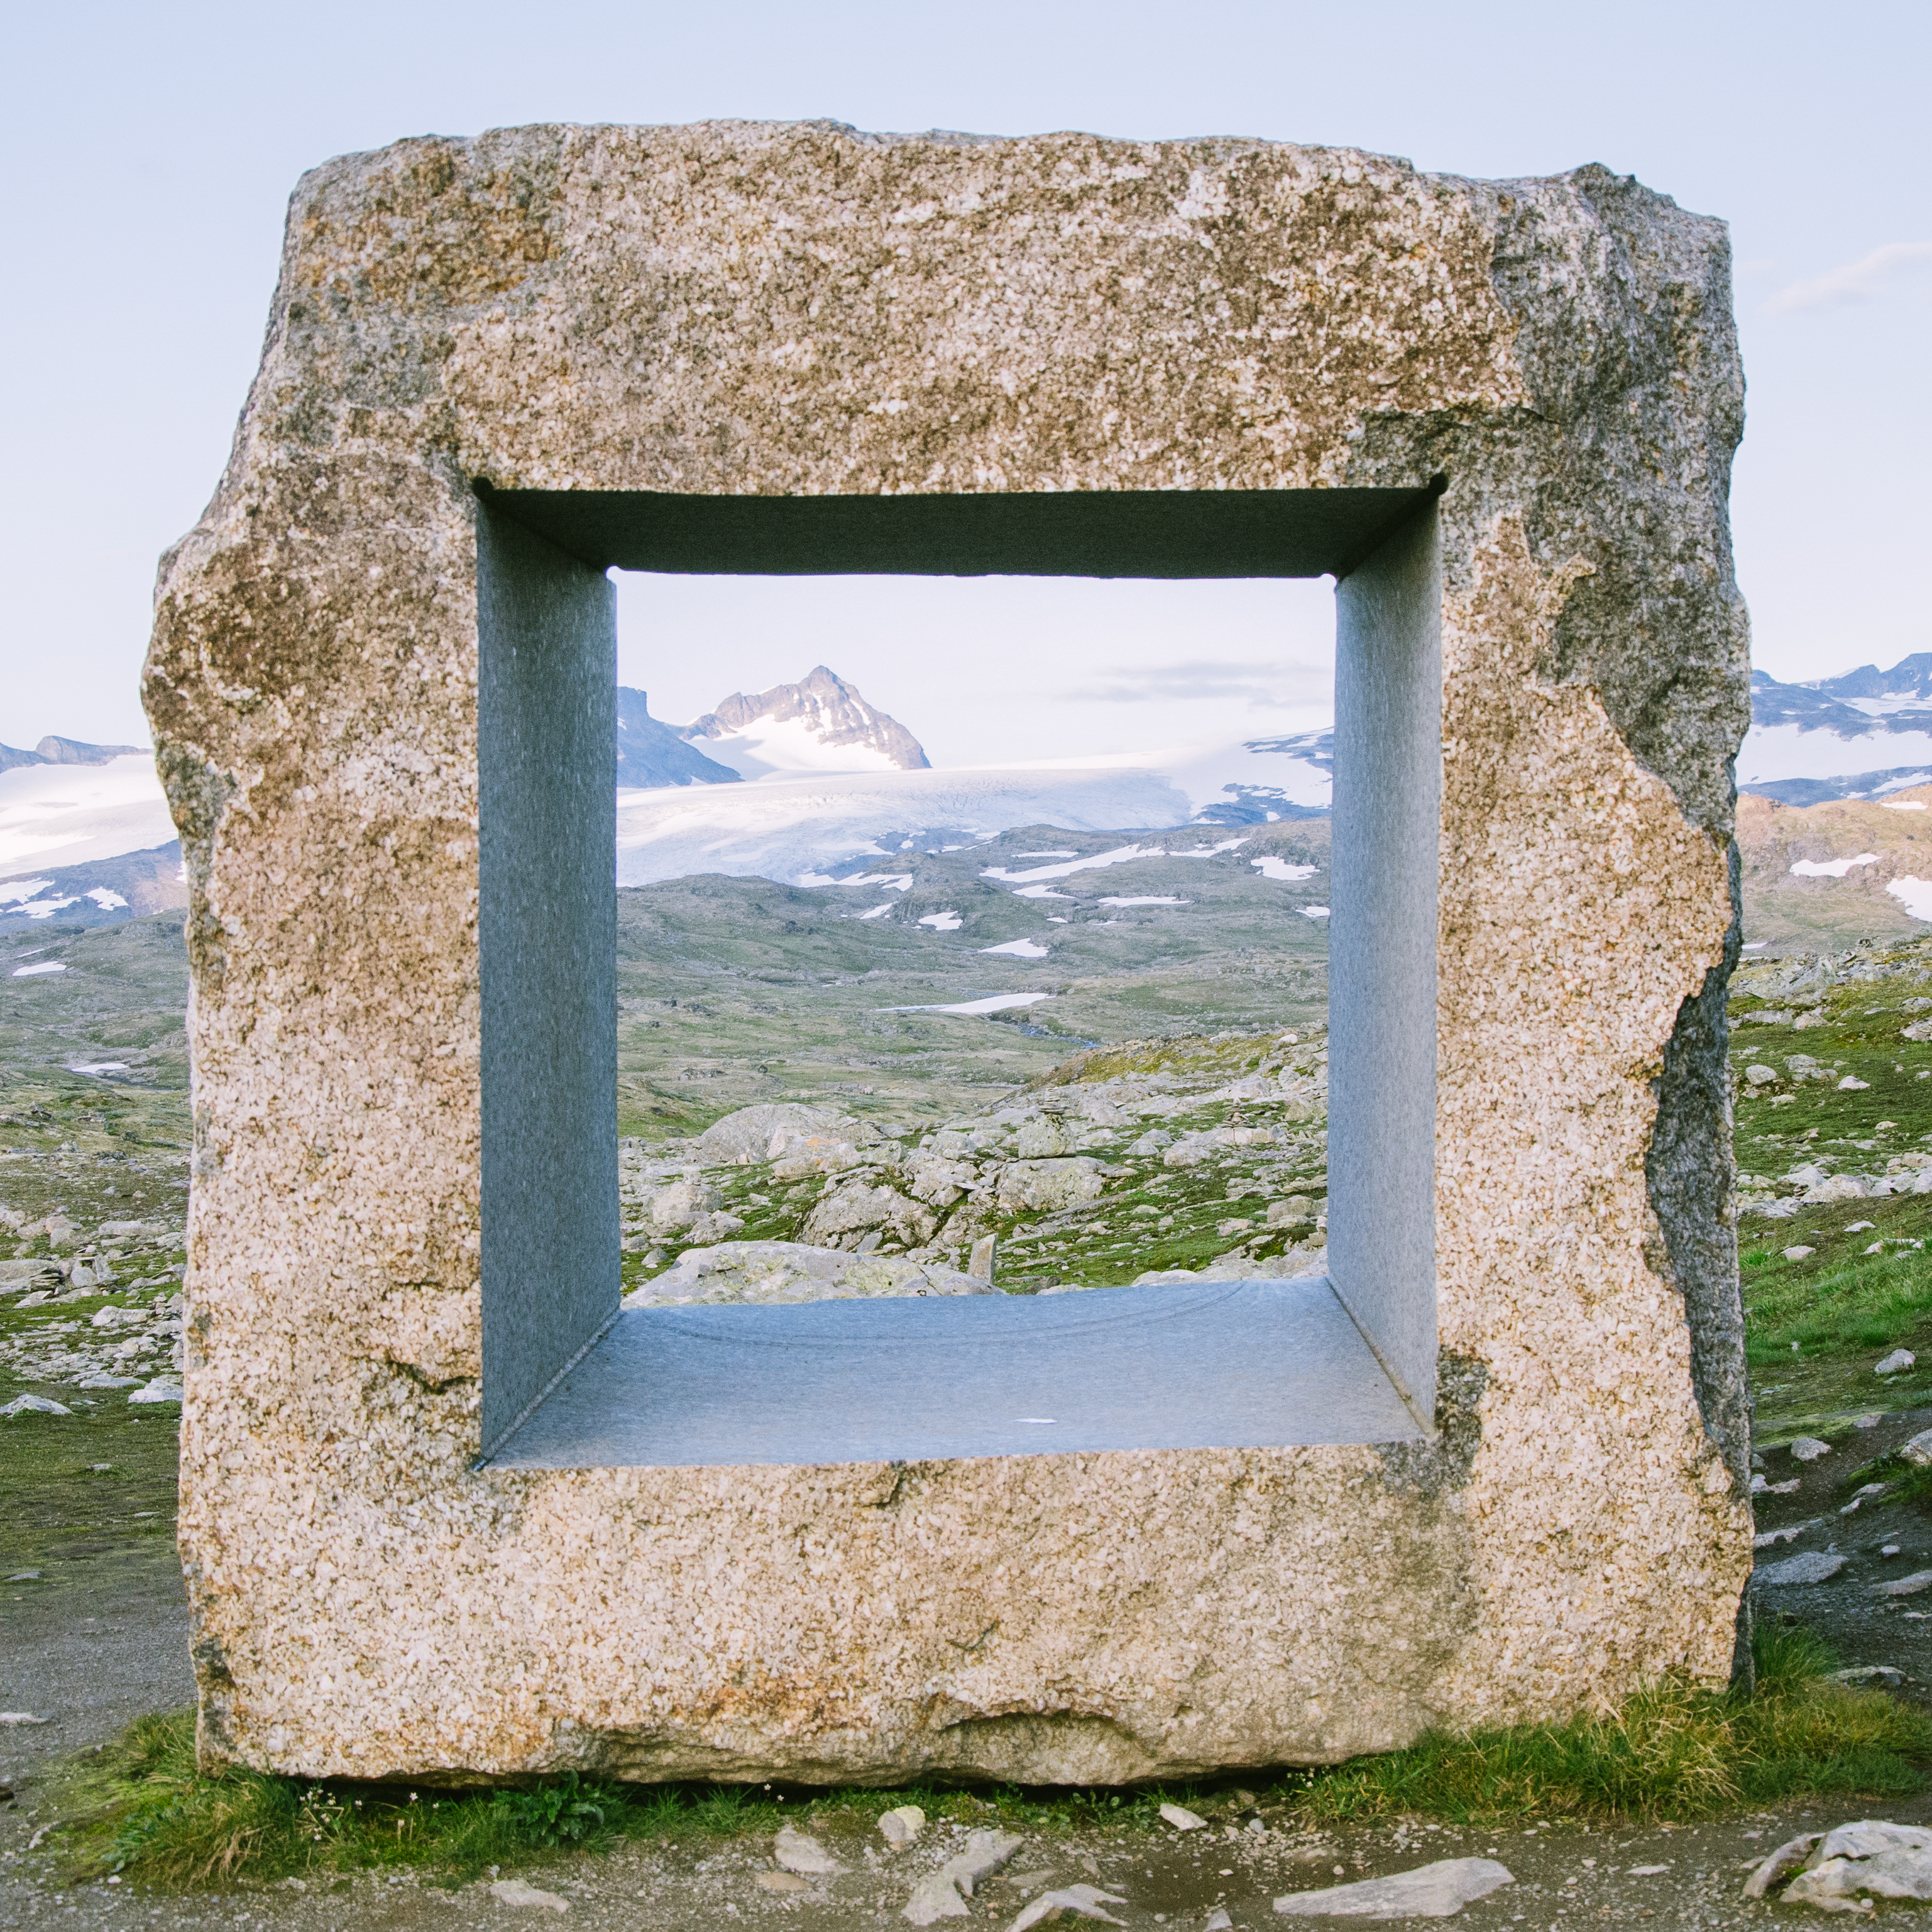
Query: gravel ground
[{"x": 1566, "y": 1876}]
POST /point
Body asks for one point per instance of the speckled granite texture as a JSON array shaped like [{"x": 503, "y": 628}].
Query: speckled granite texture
[{"x": 745, "y": 309}]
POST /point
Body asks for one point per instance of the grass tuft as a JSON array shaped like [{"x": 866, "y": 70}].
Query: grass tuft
[
  {"x": 1674, "y": 1751},
  {"x": 1870, "y": 1303}
]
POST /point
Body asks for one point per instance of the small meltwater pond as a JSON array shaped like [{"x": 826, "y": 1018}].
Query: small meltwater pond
[{"x": 1207, "y": 1365}]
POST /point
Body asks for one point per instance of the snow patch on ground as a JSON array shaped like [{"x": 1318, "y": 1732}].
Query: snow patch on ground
[
  {"x": 1119, "y": 855},
  {"x": 1272, "y": 868},
  {"x": 81, "y": 812},
  {"x": 789, "y": 825},
  {"x": 948, "y": 921},
  {"x": 107, "y": 901},
  {"x": 1040, "y": 892},
  {"x": 789, "y": 828},
  {"x": 1832, "y": 869},
  {"x": 1915, "y": 895},
  {"x": 22, "y": 888},
  {"x": 877, "y": 910},
  {"x": 772, "y": 748},
  {"x": 1315, "y": 912},
  {"x": 45, "y": 966},
  {"x": 999, "y": 1003},
  {"x": 1774, "y": 752},
  {"x": 1020, "y": 949},
  {"x": 1903, "y": 805},
  {"x": 1146, "y": 901}
]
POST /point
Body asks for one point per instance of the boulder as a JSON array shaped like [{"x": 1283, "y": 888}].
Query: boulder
[
  {"x": 856, "y": 1208},
  {"x": 940, "y": 1182},
  {"x": 1041, "y": 1139},
  {"x": 1838, "y": 1187},
  {"x": 1050, "y": 1184},
  {"x": 1873, "y": 1858},
  {"x": 129, "y": 1231},
  {"x": 742, "y": 1139},
  {"x": 681, "y": 1203},
  {"x": 800, "y": 1156},
  {"x": 17, "y": 1277},
  {"x": 34, "y": 1405},
  {"x": 777, "y": 1272}
]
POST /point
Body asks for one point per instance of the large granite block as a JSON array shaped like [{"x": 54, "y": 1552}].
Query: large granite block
[{"x": 734, "y": 345}]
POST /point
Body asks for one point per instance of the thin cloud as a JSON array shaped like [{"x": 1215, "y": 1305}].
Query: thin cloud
[
  {"x": 1248, "y": 683},
  {"x": 1852, "y": 281}
]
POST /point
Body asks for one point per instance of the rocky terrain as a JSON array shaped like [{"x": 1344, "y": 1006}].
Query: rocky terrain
[{"x": 1156, "y": 1160}]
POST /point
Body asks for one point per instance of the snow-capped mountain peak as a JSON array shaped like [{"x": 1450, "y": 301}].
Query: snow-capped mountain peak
[{"x": 820, "y": 724}]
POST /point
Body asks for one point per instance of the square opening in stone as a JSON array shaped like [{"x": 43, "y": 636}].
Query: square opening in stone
[{"x": 570, "y": 1382}]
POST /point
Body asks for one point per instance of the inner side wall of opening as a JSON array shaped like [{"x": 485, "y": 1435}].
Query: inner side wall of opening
[{"x": 550, "y": 1224}]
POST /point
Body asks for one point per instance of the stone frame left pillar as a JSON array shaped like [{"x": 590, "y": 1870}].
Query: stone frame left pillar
[{"x": 547, "y": 934}]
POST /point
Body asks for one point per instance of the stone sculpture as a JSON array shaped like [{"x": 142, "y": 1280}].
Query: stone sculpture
[{"x": 494, "y": 365}]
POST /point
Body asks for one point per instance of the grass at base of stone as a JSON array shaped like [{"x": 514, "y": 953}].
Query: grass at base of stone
[
  {"x": 1676, "y": 1750},
  {"x": 140, "y": 1807}
]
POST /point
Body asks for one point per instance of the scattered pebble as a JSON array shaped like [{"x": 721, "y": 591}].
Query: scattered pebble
[
  {"x": 1181, "y": 1819},
  {"x": 1087, "y": 1899},
  {"x": 902, "y": 1826},
  {"x": 515, "y": 1891},
  {"x": 796, "y": 1853},
  {"x": 1799, "y": 1254},
  {"x": 1808, "y": 1449},
  {"x": 1437, "y": 1891},
  {"x": 782, "y": 1881}
]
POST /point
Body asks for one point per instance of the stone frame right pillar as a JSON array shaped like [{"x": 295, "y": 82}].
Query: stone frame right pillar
[{"x": 1387, "y": 802}]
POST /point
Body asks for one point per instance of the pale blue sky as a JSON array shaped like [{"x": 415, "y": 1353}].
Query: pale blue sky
[{"x": 150, "y": 151}]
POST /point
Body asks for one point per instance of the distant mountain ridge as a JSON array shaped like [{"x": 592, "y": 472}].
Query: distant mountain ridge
[
  {"x": 821, "y": 724},
  {"x": 1854, "y": 736},
  {"x": 52, "y": 751},
  {"x": 101, "y": 891},
  {"x": 651, "y": 754}
]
